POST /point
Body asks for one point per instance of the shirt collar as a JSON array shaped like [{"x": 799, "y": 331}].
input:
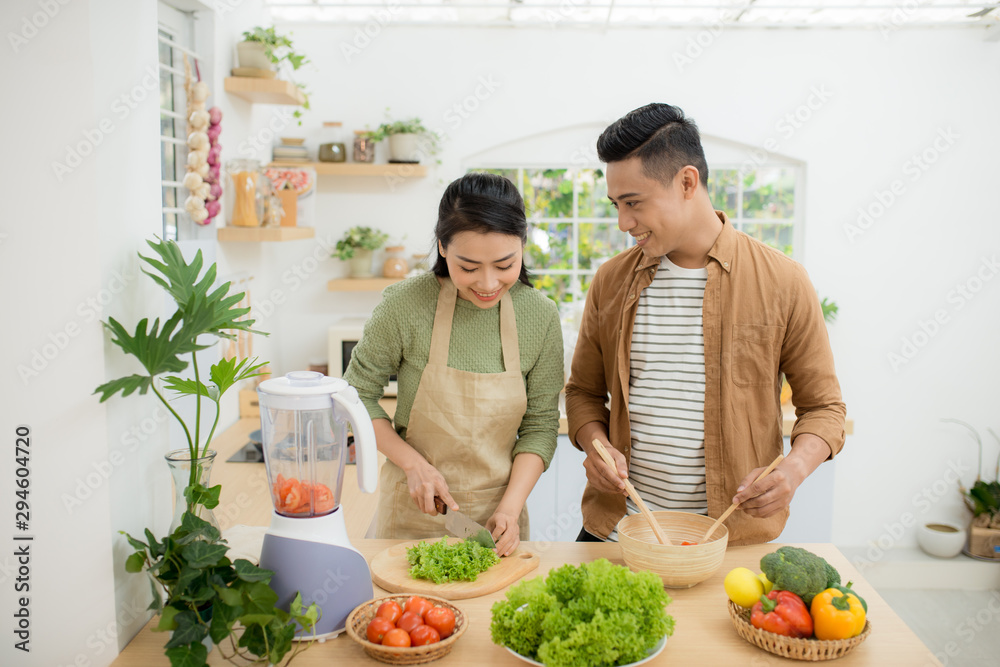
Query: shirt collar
[{"x": 722, "y": 250}]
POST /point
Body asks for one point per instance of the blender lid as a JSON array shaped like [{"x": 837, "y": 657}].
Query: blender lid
[{"x": 302, "y": 383}]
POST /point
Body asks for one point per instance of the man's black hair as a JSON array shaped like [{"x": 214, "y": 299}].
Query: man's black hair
[{"x": 660, "y": 136}]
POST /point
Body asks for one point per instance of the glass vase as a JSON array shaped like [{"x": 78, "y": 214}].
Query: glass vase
[{"x": 186, "y": 472}]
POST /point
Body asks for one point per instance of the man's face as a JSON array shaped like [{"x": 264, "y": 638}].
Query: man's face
[{"x": 653, "y": 213}]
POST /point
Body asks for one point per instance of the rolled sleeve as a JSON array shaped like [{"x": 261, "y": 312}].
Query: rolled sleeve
[
  {"x": 587, "y": 390},
  {"x": 807, "y": 362}
]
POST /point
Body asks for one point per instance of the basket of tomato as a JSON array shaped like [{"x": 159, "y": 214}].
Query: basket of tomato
[{"x": 406, "y": 629}]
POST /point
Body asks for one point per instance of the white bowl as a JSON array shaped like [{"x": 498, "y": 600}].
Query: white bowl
[{"x": 941, "y": 539}]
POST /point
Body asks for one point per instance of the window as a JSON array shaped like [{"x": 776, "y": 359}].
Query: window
[
  {"x": 175, "y": 36},
  {"x": 573, "y": 228}
]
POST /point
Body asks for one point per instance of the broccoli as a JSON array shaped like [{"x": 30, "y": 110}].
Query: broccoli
[{"x": 799, "y": 571}]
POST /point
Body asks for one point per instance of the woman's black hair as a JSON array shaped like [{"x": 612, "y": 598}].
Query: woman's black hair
[
  {"x": 482, "y": 203},
  {"x": 660, "y": 136}
]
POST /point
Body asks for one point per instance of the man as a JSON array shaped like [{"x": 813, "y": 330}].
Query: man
[{"x": 689, "y": 332}]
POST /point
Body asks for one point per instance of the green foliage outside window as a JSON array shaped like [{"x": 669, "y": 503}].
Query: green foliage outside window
[{"x": 568, "y": 210}]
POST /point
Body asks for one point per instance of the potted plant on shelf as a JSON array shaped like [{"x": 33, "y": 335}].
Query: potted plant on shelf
[
  {"x": 409, "y": 140},
  {"x": 983, "y": 500},
  {"x": 357, "y": 246},
  {"x": 263, "y": 51}
]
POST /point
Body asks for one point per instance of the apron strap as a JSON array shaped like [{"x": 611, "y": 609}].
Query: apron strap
[
  {"x": 508, "y": 335},
  {"x": 441, "y": 334}
]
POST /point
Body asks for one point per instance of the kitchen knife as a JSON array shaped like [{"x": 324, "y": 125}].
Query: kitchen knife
[{"x": 462, "y": 526}]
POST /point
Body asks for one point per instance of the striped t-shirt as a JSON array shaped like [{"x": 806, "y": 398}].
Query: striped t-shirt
[{"x": 667, "y": 393}]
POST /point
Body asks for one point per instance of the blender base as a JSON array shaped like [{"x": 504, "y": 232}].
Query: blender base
[{"x": 314, "y": 557}]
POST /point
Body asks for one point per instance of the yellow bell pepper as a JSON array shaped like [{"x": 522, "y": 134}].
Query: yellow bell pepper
[{"x": 837, "y": 615}]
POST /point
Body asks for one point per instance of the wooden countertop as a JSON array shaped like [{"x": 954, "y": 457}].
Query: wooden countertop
[{"x": 703, "y": 636}]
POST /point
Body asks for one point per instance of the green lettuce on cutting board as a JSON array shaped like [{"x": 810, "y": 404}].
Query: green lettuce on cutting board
[
  {"x": 442, "y": 562},
  {"x": 597, "y": 614}
]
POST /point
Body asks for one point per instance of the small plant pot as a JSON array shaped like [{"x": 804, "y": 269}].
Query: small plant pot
[
  {"x": 941, "y": 539},
  {"x": 253, "y": 55},
  {"x": 361, "y": 263},
  {"x": 404, "y": 148}
]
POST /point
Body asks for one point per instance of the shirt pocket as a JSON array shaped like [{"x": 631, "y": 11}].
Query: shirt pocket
[{"x": 756, "y": 352}]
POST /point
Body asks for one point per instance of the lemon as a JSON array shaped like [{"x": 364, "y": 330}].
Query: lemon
[
  {"x": 767, "y": 583},
  {"x": 743, "y": 587}
]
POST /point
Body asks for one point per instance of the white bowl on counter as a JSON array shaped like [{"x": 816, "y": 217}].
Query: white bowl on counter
[{"x": 941, "y": 539}]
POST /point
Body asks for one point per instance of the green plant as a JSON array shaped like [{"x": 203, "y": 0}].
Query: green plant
[
  {"x": 366, "y": 238},
  {"x": 830, "y": 309},
  {"x": 201, "y": 311},
  {"x": 279, "y": 49},
  {"x": 207, "y": 594},
  {"x": 429, "y": 139},
  {"x": 983, "y": 499}
]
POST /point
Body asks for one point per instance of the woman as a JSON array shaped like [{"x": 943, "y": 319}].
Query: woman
[{"x": 478, "y": 357}]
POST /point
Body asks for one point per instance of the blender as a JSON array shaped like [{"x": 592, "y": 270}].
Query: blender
[{"x": 303, "y": 419}]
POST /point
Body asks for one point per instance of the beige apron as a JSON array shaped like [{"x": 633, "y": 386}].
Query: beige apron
[{"x": 465, "y": 424}]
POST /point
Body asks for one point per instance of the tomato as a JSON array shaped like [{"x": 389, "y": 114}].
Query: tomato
[
  {"x": 441, "y": 619},
  {"x": 685, "y": 543},
  {"x": 377, "y": 629},
  {"x": 396, "y": 637},
  {"x": 423, "y": 635},
  {"x": 390, "y": 610},
  {"x": 408, "y": 621},
  {"x": 418, "y": 605}
]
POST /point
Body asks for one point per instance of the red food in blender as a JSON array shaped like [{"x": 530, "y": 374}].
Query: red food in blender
[{"x": 297, "y": 497}]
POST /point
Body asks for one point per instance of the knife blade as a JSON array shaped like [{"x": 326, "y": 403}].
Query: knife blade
[{"x": 462, "y": 526}]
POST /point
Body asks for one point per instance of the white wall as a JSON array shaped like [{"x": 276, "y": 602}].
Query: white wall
[
  {"x": 877, "y": 101},
  {"x": 68, "y": 258}
]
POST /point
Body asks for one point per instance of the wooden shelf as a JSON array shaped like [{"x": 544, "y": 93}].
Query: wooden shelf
[
  {"x": 264, "y": 91},
  {"x": 258, "y": 234},
  {"x": 357, "y": 168},
  {"x": 360, "y": 284}
]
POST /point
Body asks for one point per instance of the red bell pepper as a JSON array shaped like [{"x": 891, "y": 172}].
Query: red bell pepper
[{"x": 783, "y": 613}]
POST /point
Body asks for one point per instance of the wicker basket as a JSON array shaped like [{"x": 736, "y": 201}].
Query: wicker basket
[
  {"x": 789, "y": 647},
  {"x": 358, "y": 620}
]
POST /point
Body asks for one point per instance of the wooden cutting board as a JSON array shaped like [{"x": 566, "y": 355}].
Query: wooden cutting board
[{"x": 390, "y": 570}]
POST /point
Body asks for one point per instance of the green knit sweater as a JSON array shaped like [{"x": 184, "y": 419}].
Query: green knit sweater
[{"x": 397, "y": 341}]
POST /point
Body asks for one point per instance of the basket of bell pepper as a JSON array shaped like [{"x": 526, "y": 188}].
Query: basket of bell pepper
[{"x": 809, "y": 623}]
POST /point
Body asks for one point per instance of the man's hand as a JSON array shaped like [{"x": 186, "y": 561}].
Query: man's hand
[
  {"x": 768, "y": 496},
  {"x": 602, "y": 476},
  {"x": 775, "y": 492}
]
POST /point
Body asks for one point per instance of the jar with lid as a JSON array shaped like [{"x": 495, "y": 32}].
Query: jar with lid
[
  {"x": 364, "y": 147},
  {"x": 395, "y": 266},
  {"x": 245, "y": 175},
  {"x": 331, "y": 147}
]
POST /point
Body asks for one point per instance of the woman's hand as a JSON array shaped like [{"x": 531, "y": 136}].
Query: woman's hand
[
  {"x": 425, "y": 482},
  {"x": 505, "y": 531}
]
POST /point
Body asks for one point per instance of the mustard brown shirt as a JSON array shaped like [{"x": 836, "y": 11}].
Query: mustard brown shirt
[{"x": 761, "y": 317}]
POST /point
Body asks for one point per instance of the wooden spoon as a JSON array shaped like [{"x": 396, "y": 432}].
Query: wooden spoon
[
  {"x": 725, "y": 515},
  {"x": 660, "y": 535}
]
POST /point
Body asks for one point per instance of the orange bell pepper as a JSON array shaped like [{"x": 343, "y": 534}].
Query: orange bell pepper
[{"x": 837, "y": 615}]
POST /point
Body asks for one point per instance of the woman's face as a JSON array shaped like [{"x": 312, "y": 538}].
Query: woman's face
[{"x": 483, "y": 266}]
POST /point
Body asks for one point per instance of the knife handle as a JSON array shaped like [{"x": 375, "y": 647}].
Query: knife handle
[{"x": 439, "y": 505}]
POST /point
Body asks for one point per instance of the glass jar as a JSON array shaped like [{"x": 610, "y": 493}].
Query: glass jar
[
  {"x": 331, "y": 147},
  {"x": 244, "y": 174},
  {"x": 364, "y": 147},
  {"x": 395, "y": 266}
]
